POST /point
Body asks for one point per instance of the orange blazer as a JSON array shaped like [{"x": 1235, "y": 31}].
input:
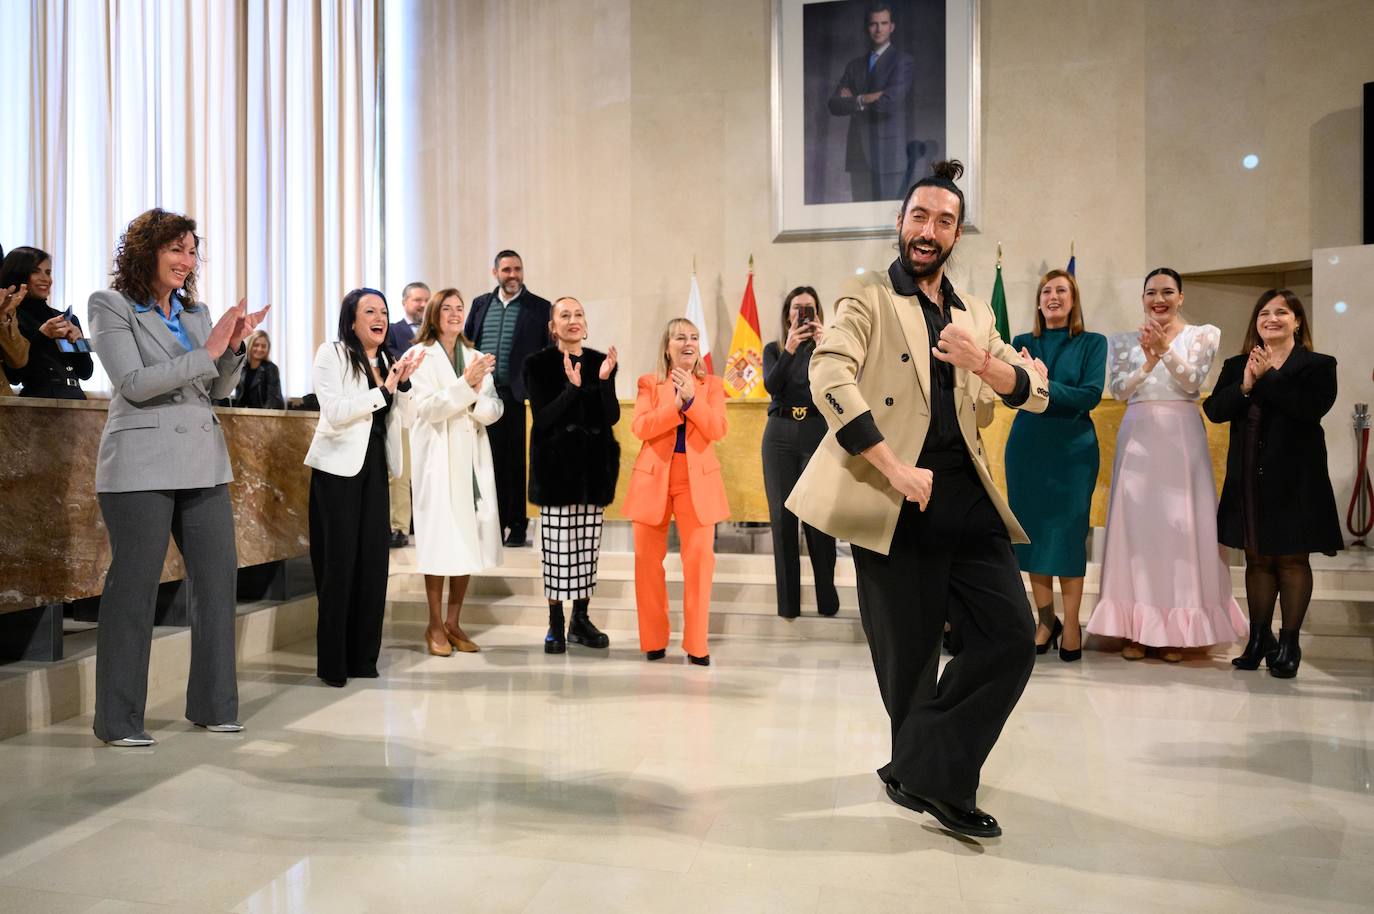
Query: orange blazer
[{"x": 655, "y": 423}]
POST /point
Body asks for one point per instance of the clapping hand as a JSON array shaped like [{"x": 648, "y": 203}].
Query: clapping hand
[
  {"x": 11, "y": 298},
  {"x": 1039, "y": 365},
  {"x": 685, "y": 385},
  {"x": 246, "y": 323},
  {"x": 477, "y": 370},
  {"x": 607, "y": 365},
  {"x": 573, "y": 372},
  {"x": 403, "y": 368}
]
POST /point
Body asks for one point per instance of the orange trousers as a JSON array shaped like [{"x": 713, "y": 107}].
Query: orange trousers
[{"x": 698, "y": 566}]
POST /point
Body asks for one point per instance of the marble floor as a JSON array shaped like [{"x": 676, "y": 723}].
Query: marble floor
[{"x": 511, "y": 781}]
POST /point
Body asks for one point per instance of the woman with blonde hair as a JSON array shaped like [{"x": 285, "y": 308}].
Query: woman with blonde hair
[
  {"x": 457, "y": 526},
  {"x": 679, "y": 415},
  {"x": 260, "y": 385},
  {"x": 1052, "y": 459}
]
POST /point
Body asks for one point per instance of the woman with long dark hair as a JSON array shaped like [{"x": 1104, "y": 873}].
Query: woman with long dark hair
[
  {"x": 1277, "y": 503},
  {"x": 1163, "y": 584},
  {"x": 163, "y": 472},
  {"x": 357, "y": 439},
  {"x": 59, "y": 356},
  {"x": 1052, "y": 460},
  {"x": 791, "y": 435}
]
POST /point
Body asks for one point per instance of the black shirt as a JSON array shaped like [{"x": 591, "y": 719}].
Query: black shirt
[
  {"x": 787, "y": 378},
  {"x": 50, "y": 372},
  {"x": 943, "y": 435}
]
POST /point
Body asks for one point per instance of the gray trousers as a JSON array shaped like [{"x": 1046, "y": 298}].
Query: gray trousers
[{"x": 202, "y": 523}]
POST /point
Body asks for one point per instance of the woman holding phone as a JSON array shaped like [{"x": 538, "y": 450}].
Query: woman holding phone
[
  {"x": 792, "y": 434},
  {"x": 59, "y": 356}
]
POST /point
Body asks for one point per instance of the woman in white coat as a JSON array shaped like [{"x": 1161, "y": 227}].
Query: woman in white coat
[
  {"x": 453, "y": 483},
  {"x": 357, "y": 438}
]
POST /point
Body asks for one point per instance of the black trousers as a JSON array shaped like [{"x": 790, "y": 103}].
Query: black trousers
[
  {"x": 349, "y": 538},
  {"x": 507, "y": 436},
  {"x": 201, "y": 522},
  {"x": 787, "y": 447},
  {"x": 952, "y": 562}
]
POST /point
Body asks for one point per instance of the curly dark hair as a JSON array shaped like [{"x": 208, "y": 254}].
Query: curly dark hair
[{"x": 135, "y": 260}]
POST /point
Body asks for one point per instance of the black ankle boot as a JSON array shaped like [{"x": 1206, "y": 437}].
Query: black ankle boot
[
  {"x": 1261, "y": 646},
  {"x": 1283, "y": 663},
  {"x": 554, "y": 642},
  {"x": 582, "y": 631}
]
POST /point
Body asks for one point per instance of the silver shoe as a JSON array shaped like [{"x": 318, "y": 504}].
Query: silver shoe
[
  {"x": 138, "y": 739},
  {"x": 232, "y": 727}
]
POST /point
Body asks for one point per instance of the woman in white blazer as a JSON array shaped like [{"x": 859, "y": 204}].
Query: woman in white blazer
[
  {"x": 357, "y": 439},
  {"x": 453, "y": 482}
]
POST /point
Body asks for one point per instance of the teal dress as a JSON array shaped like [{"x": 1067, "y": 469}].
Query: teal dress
[{"x": 1052, "y": 457}]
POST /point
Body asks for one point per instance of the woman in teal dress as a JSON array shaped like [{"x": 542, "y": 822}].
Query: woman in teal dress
[{"x": 1052, "y": 460}]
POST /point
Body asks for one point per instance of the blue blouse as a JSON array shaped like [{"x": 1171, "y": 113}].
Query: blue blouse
[{"x": 173, "y": 322}]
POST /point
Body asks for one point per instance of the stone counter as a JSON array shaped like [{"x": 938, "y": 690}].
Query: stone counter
[{"x": 53, "y": 544}]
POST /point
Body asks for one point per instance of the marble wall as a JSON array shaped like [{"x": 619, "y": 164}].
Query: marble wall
[{"x": 53, "y": 543}]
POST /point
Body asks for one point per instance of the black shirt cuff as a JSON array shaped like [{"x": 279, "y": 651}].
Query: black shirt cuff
[
  {"x": 1021, "y": 392},
  {"x": 860, "y": 434}
]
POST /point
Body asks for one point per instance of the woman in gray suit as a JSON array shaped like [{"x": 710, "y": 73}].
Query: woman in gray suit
[{"x": 163, "y": 471}]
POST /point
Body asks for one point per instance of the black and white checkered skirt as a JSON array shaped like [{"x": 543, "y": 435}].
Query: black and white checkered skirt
[{"x": 570, "y": 538}]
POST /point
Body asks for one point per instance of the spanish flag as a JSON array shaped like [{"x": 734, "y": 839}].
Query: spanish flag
[{"x": 743, "y": 374}]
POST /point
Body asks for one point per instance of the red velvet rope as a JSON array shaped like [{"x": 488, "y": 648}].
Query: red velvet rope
[{"x": 1362, "y": 482}]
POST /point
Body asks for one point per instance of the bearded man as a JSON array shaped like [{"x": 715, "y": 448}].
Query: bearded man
[{"x": 900, "y": 376}]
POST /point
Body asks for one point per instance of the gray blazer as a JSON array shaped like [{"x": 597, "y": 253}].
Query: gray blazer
[{"x": 162, "y": 432}]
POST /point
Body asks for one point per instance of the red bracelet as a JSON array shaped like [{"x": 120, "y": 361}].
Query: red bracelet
[{"x": 987, "y": 360}]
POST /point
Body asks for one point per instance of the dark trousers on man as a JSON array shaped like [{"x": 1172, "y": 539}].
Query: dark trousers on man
[
  {"x": 349, "y": 536},
  {"x": 952, "y": 562},
  {"x": 788, "y": 444},
  {"x": 866, "y": 186},
  {"x": 507, "y": 436},
  {"x": 201, "y": 521}
]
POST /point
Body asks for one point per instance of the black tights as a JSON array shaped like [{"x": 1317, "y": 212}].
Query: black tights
[{"x": 1287, "y": 578}]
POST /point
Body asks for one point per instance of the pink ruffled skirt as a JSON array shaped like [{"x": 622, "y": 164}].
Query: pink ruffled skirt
[{"x": 1163, "y": 581}]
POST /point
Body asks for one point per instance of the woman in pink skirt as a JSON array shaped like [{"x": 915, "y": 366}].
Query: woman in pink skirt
[{"x": 1163, "y": 583}]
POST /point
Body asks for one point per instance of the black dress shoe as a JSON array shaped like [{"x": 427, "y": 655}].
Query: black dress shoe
[
  {"x": 704, "y": 660},
  {"x": 399, "y": 539},
  {"x": 656, "y": 655},
  {"x": 516, "y": 538},
  {"x": 972, "y": 822},
  {"x": 336, "y": 683}
]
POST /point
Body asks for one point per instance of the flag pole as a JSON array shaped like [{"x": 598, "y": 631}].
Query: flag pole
[
  {"x": 751, "y": 264},
  {"x": 999, "y": 254}
]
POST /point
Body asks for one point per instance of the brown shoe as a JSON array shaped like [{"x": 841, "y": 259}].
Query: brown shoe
[
  {"x": 1133, "y": 651},
  {"x": 461, "y": 644},
  {"x": 1170, "y": 654},
  {"x": 438, "y": 648}
]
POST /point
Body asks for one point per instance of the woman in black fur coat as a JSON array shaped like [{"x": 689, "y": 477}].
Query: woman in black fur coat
[{"x": 574, "y": 462}]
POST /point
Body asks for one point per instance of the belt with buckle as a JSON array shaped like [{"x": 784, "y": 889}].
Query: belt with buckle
[{"x": 799, "y": 412}]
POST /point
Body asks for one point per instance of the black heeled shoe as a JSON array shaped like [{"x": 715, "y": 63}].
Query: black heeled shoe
[
  {"x": 1069, "y": 656},
  {"x": 1055, "y": 632},
  {"x": 656, "y": 655},
  {"x": 1261, "y": 645},
  {"x": 1283, "y": 663},
  {"x": 704, "y": 660}
]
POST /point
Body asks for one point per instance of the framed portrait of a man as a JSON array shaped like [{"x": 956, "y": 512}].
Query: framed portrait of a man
[{"x": 866, "y": 97}]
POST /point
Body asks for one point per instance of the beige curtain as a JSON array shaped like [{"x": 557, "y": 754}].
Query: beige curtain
[{"x": 258, "y": 119}]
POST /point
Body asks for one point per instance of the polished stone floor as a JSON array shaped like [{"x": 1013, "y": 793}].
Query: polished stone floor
[{"x": 511, "y": 781}]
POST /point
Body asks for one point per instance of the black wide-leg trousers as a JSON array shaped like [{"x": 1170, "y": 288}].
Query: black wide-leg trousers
[
  {"x": 787, "y": 447},
  {"x": 507, "y": 437},
  {"x": 953, "y": 562},
  {"x": 350, "y": 534}
]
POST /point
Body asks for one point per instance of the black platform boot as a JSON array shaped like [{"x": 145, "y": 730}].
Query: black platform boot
[
  {"x": 1261, "y": 646},
  {"x": 1283, "y": 664},
  {"x": 554, "y": 642},
  {"x": 582, "y": 631}
]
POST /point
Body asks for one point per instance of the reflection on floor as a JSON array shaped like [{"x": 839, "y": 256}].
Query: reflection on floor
[{"x": 514, "y": 781}]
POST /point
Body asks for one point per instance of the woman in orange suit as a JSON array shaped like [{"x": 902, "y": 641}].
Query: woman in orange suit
[{"x": 679, "y": 412}]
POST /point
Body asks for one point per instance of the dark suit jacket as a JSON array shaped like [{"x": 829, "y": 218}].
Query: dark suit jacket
[
  {"x": 399, "y": 338},
  {"x": 574, "y": 457},
  {"x": 1297, "y": 508},
  {"x": 531, "y": 332},
  {"x": 47, "y": 365},
  {"x": 263, "y": 391},
  {"x": 877, "y": 134}
]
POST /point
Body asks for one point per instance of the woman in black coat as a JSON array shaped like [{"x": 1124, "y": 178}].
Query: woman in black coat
[
  {"x": 574, "y": 463},
  {"x": 260, "y": 385},
  {"x": 1277, "y": 503},
  {"x": 59, "y": 355}
]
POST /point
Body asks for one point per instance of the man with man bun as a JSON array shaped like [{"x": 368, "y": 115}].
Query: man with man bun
[{"x": 905, "y": 367}]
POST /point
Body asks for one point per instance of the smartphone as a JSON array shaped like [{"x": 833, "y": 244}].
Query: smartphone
[
  {"x": 805, "y": 314},
  {"x": 81, "y": 345}
]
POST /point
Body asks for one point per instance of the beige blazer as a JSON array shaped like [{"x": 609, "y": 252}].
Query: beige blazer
[{"x": 876, "y": 357}]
